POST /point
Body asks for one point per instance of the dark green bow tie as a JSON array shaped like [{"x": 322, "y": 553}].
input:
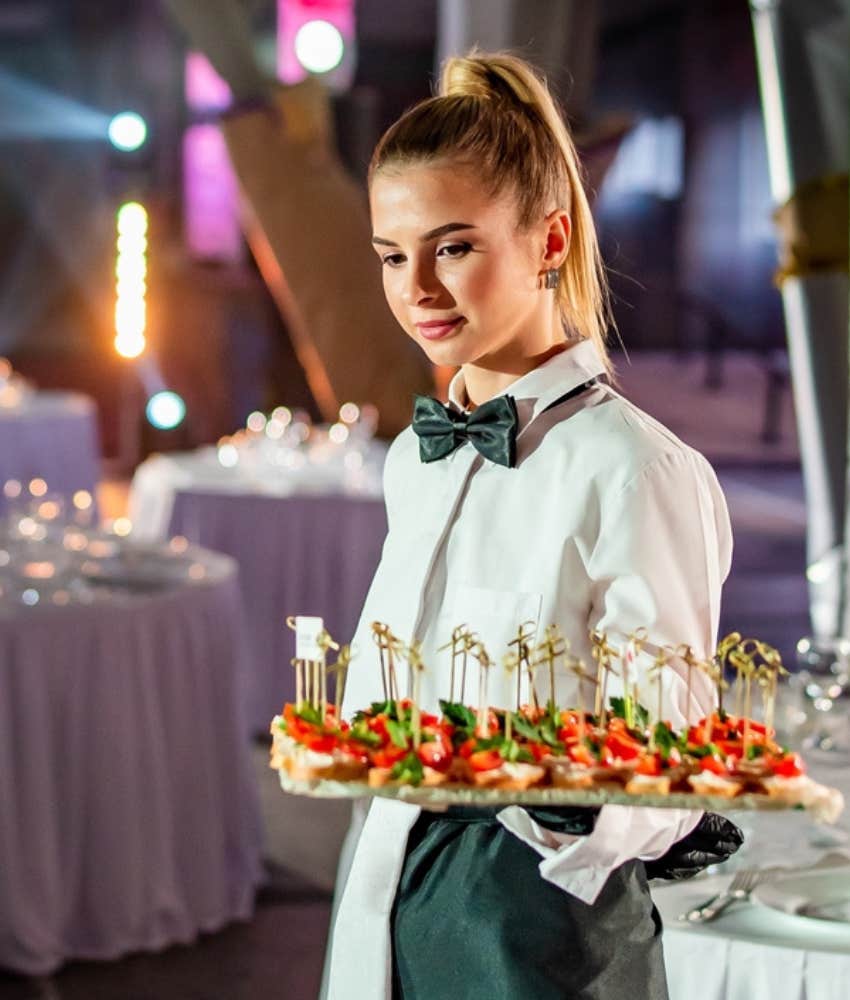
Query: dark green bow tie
[{"x": 491, "y": 428}]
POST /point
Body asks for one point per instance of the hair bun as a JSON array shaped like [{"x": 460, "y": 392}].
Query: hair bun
[{"x": 487, "y": 76}]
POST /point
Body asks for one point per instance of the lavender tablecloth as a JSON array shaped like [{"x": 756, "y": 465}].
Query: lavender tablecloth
[
  {"x": 297, "y": 555},
  {"x": 128, "y": 815},
  {"x": 51, "y": 436}
]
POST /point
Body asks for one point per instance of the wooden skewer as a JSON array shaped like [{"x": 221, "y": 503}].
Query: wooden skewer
[
  {"x": 299, "y": 682},
  {"x": 379, "y": 634},
  {"x": 576, "y": 666},
  {"x": 547, "y": 653},
  {"x": 415, "y": 665},
  {"x": 662, "y": 658},
  {"x": 510, "y": 662},
  {"x": 470, "y": 640},
  {"x": 523, "y": 657},
  {"x": 629, "y": 660},
  {"x": 480, "y": 653},
  {"x": 456, "y": 644},
  {"x": 340, "y": 669},
  {"x": 602, "y": 653},
  {"x": 685, "y": 652}
]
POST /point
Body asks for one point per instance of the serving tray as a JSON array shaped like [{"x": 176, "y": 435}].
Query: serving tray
[{"x": 826, "y": 804}]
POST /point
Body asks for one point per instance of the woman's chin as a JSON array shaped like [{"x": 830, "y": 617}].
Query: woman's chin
[{"x": 451, "y": 351}]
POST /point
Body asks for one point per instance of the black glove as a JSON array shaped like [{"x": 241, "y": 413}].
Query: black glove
[{"x": 711, "y": 841}]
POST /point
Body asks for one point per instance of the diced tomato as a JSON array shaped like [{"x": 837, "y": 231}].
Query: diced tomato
[
  {"x": 388, "y": 755},
  {"x": 729, "y": 747},
  {"x": 620, "y": 746},
  {"x": 357, "y": 750},
  {"x": 649, "y": 763},
  {"x": 789, "y": 765},
  {"x": 485, "y": 760},
  {"x": 538, "y": 750},
  {"x": 698, "y": 735},
  {"x": 378, "y": 724},
  {"x": 581, "y": 755},
  {"x": 435, "y": 754},
  {"x": 321, "y": 742},
  {"x": 758, "y": 731},
  {"x": 714, "y": 764},
  {"x": 467, "y": 748},
  {"x": 426, "y": 719},
  {"x": 435, "y": 750}
]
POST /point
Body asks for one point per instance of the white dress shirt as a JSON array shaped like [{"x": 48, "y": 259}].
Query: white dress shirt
[{"x": 609, "y": 522}]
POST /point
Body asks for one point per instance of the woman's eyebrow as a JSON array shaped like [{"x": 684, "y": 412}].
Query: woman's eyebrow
[{"x": 432, "y": 234}]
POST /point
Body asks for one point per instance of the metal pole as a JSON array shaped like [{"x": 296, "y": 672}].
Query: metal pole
[{"x": 801, "y": 48}]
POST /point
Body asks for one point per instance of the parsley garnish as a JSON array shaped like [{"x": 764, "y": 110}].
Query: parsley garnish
[
  {"x": 397, "y": 732},
  {"x": 408, "y": 770},
  {"x": 458, "y": 715},
  {"x": 665, "y": 739}
]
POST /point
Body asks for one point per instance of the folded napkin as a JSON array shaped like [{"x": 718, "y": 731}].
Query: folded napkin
[{"x": 581, "y": 865}]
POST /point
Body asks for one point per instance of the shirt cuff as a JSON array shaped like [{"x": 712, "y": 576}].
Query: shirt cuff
[{"x": 581, "y": 865}]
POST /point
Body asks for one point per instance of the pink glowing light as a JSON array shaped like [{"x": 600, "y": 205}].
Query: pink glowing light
[{"x": 292, "y": 14}]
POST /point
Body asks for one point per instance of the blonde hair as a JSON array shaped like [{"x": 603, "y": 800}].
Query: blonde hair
[{"x": 493, "y": 110}]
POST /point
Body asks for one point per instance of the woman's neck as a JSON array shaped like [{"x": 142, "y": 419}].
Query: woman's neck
[{"x": 485, "y": 379}]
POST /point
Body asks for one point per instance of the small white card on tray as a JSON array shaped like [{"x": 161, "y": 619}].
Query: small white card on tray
[{"x": 307, "y": 632}]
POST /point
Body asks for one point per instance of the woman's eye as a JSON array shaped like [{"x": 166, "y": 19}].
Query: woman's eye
[
  {"x": 393, "y": 259},
  {"x": 454, "y": 250}
]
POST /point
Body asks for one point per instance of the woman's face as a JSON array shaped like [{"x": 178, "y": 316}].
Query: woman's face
[{"x": 460, "y": 277}]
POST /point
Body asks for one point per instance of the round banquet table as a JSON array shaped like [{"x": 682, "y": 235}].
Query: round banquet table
[
  {"x": 310, "y": 555},
  {"x": 129, "y": 819},
  {"x": 753, "y": 952},
  {"x": 50, "y": 436}
]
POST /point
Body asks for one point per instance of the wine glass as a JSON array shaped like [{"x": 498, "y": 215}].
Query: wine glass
[{"x": 823, "y": 688}]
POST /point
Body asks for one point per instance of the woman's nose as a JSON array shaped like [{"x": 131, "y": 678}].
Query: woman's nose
[{"x": 420, "y": 285}]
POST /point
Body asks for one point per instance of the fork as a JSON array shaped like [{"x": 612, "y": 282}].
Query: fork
[{"x": 739, "y": 889}]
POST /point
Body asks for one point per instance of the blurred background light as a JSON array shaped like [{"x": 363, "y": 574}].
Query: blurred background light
[
  {"x": 127, "y": 131},
  {"x": 165, "y": 410},
  {"x": 132, "y": 219},
  {"x": 129, "y": 346},
  {"x": 319, "y": 46},
  {"x": 131, "y": 269},
  {"x": 317, "y": 36}
]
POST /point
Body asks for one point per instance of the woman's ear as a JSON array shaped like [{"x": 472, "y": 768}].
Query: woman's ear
[{"x": 558, "y": 231}]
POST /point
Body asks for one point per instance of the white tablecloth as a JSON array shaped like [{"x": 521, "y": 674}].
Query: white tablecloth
[
  {"x": 753, "y": 952},
  {"x": 51, "y": 436},
  {"x": 128, "y": 815}
]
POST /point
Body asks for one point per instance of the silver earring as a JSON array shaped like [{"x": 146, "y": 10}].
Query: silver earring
[{"x": 553, "y": 276}]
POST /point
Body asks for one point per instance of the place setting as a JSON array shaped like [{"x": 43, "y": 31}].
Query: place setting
[{"x": 52, "y": 552}]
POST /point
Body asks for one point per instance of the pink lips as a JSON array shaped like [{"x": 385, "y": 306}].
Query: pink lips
[{"x": 436, "y": 329}]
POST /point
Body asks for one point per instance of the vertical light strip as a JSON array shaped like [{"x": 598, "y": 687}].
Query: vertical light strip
[
  {"x": 210, "y": 193},
  {"x": 131, "y": 271},
  {"x": 764, "y": 30}
]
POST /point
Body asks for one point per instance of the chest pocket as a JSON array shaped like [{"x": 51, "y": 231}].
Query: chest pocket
[{"x": 495, "y": 616}]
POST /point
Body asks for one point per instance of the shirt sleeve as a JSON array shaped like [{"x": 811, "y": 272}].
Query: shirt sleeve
[{"x": 663, "y": 551}]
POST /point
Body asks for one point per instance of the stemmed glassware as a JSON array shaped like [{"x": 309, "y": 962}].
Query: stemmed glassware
[{"x": 818, "y": 711}]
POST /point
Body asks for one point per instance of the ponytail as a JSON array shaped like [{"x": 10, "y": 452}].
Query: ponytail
[{"x": 495, "y": 112}]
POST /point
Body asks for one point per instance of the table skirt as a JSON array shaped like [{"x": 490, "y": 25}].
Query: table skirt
[
  {"x": 54, "y": 438},
  {"x": 303, "y": 555},
  {"x": 129, "y": 819}
]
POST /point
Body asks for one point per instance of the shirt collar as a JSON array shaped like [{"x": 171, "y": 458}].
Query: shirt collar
[{"x": 546, "y": 383}]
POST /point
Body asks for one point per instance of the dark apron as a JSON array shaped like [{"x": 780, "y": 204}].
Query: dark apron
[{"x": 473, "y": 919}]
